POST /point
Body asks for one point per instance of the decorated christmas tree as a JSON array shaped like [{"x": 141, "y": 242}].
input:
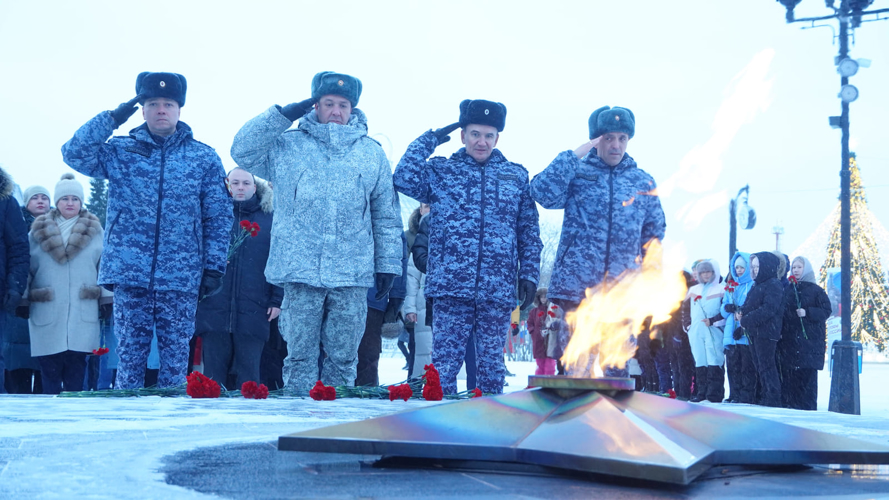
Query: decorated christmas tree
[{"x": 870, "y": 300}]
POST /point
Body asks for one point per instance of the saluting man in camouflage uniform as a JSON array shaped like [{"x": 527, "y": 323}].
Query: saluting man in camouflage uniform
[
  {"x": 337, "y": 228},
  {"x": 611, "y": 208},
  {"x": 169, "y": 217},
  {"x": 483, "y": 237}
]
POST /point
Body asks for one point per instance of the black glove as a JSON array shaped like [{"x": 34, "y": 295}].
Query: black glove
[
  {"x": 443, "y": 134},
  {"x": 211, "y": 283},
  {"x": 392, "y": 310},
  {"x": 738, "y": 333},
  {"x": 125, "y": 111},
  {"x": 527, "y": 290},
  {"x": 23, "y": 312},
  {"x": 730, "y": 308},
  {"x": 297, "y": 110},
  {"x": 384, "y": 284},
  {"x": 106, "y": 310},
  {"x": 12, "y": 301}
]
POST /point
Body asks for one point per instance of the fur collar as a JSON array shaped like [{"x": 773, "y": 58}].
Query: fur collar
[
  {"x": 264, "y": 193},
  {"x": 6, "y": 185},
  {"x": 46, "y": 233}
]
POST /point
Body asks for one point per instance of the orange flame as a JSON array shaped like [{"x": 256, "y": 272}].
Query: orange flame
[{"x": 616, "y": 310}]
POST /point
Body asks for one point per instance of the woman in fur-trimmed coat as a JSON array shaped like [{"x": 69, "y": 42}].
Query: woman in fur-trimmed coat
[{"x": 66, "y": 245}]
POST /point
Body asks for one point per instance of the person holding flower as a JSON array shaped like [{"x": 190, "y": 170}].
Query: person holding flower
[
  {"x": 65, "y": 300},
  {"x": 804, "y": 335},
  {"x": 761, "y": 317},
  {"x": 705, "y": 333},
  {"x": 739, "y": 359},
  {"x": 235, "y": 323}
]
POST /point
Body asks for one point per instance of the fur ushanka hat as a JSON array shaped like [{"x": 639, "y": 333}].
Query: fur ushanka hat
[
  {"x": 616, "y": 119},
  {"x": 328, "y": 82},
  {"x": 169, "y": 85},
  {"x": 482, "y": 112}
]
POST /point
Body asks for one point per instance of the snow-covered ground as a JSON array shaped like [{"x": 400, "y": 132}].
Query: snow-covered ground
[{"x": 53, "y": 447}]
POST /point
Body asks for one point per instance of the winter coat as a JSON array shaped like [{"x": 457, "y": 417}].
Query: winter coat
[
  {"x": 63, "y": 289},
  {"x": 420, "y": 248},
  {"x": 805, "y": 351},
  {"x": 241, "y": 306},
  {"x": 169, "y": 213},
  {"x": 535, "y": 324},
  {"x": 14, "y": 248},
  {"x": 763, "y": 311},
  {"x": 484, "y": 233},
  {"x": 415, "y": 301},
  {"x": 736, "y": 298},
  {"x": 337, "y": 220},
  {"x": 610, "y": 214},
  {"x": 16, "y": 340},
  {"x": 705, "y": 303}
]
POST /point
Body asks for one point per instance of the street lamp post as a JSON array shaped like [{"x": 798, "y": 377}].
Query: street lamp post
[
  {"x": 748, "y": 219},
  {"x": 845, "y": 396}
]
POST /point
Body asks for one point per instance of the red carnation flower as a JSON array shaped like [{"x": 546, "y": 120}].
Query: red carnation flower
[
  {"x": 697, "y": 298},
  {"x": 251, "y": 391},
  {"x": 476, "y": 393},
  {"x": 100, "y": 351},
  {"x": 540, "y": 314},
  {"x": 402, "y": 391},
  {"x": 199, "y": 386},
  {"x": 554, "y": 307},
  {"x": 792, "y": 279},
  {"x": 672, "y": 394},
  {"x": 245, "y": 224},
  {"x": 254, "y": 229},
  {"x": 322, "y": 393},
  {"x": 551, "y": 314},
  {"x": 432, "y": 393}
]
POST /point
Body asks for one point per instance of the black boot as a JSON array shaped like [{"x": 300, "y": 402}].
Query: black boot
[
  {"x": 700, "y": 391},
  {"x": 716, "y": 385}
]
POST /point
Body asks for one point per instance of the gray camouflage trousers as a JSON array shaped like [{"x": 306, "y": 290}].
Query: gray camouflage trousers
[
  {"x": 454, "y": 320},
  {"x": 310, "y": 317},
  {"x": 138, "y": 314}
]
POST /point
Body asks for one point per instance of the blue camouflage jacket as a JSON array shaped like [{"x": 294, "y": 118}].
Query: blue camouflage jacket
[
  {"x": 485, "y": 232},
  {"x": 610, "y": 213},
  {"x": 169, "y": 213},
  {"x": 337, "y": 218}
]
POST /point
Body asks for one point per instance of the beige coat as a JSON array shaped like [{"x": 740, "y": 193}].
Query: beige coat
[{"x": 62, "y": 286}]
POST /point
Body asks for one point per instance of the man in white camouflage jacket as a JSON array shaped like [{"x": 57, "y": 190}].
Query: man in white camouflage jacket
[{"x": 337, "y": 228}]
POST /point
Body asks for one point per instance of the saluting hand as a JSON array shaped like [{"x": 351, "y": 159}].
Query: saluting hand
[
  {"x": 585, "y": 148},
  {"x": 297, "y": 110},
  {"x": 123, "y": 112},
  {"x": 443, "y": 134}
]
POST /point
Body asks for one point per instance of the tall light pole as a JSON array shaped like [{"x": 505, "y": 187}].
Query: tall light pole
[
  {"x": 743, "y": 212},
  {"x": 845, "y": 396}
]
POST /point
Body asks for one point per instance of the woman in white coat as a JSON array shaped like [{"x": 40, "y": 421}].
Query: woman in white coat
[
  {"x": 66, "y": 245},
  {"x": 705, "y": 333}
]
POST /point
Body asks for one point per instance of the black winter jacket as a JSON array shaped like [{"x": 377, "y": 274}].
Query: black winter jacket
[
  {"x": 242, "y": 304},
  {"x": 763, "y": 311},
  {"x": 805, "y": 351},
  {"x": 15, "y": 252},
  {"x": 420, "y": 248}
]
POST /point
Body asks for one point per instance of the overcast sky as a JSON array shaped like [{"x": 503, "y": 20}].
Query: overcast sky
[{"x": 724, "y": 92}]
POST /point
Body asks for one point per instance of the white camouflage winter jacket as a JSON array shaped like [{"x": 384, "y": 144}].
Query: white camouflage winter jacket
[{"x": 336, "y": 216}]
